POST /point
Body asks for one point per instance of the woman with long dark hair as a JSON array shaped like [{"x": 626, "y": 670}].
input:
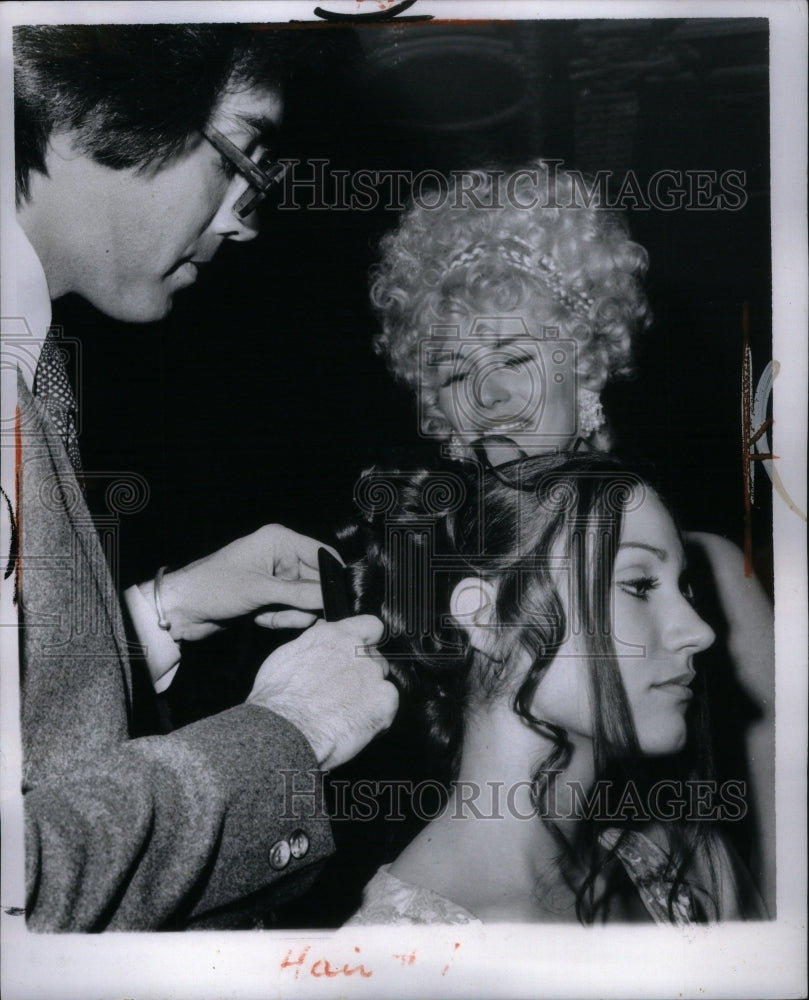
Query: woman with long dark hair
[
  {"x": 538, "y": 619},
  {"x": 507, "y": 305}
]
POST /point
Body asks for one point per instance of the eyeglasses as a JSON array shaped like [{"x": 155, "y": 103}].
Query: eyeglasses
[{"x": 261, "y": 176}]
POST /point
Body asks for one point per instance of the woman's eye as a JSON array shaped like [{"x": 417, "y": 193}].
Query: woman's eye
[
  {"x": 687, "y": 591},
  {"x": 455, "y": 376},
  {"x": 640, "y": 587},
  {"x": 518, "y": 361}
]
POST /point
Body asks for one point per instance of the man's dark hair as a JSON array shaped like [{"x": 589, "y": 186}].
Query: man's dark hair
[{"x": 134, "y": 94}]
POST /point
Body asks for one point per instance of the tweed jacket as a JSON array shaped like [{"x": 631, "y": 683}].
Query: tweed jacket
[{"x": 188, "y": 829}]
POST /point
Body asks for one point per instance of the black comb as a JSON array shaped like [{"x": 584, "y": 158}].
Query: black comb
[{"x": 334, "y": 587}]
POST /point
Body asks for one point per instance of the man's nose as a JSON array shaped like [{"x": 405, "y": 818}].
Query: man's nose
[{"x": 229, "y": 226}]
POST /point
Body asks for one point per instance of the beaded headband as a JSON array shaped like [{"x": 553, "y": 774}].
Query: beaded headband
[{"x": 523, "y": 257}]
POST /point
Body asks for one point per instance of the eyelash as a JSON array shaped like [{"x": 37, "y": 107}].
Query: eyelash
[
  {"x": 511, "y": 363},
  {"x": 640, "y": 587},
  {"x": 515, "y": 362}
]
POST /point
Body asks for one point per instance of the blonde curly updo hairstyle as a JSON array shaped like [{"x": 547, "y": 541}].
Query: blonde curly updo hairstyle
[{"x": 457, "y": 258}]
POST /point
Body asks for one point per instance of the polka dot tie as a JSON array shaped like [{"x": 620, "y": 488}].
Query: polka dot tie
[{"x": 52, "y": 388}]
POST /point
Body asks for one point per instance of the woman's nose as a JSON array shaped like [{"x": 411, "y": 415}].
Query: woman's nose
[
  {"x": 689, "y": 630},
  {"x": 494, "y": 389}
]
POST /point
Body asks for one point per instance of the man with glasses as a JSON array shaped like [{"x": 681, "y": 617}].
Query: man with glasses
[
  {"x": 139, "y": 150},
  {"x": 261, "y": 175}
]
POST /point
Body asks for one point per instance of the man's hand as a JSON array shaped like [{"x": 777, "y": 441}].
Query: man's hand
[
  {"x": 332, "y": 686},
  {"x": 273, "y": 566}
]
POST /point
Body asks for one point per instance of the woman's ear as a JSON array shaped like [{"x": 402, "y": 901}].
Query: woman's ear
[
  {"x": 592, "y": 380},
  {"x": 472, "y": 607}
]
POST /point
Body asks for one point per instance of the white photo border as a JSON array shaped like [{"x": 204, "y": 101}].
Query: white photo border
[{"x": 751, "y": 960}]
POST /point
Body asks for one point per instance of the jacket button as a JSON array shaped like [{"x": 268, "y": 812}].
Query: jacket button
[
  {"x": 280, "y": 854},
  {"x": 299, "y": 843}
]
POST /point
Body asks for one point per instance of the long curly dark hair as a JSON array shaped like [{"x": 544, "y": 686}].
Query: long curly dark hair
[{"x": 421, "y": 532}]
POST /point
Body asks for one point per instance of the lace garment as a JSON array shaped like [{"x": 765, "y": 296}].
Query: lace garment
[{"x": 389, "y": 900}]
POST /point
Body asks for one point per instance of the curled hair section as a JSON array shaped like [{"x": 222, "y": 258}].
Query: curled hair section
[{"x": 543, "y": 531}]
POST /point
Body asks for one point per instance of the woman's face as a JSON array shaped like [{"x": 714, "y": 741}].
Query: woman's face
[
  {"x": 506, "y": 378},
  {"x": 656, "y": 634}
]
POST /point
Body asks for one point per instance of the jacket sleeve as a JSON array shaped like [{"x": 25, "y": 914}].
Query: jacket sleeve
[{"x": 166, "y": 828}]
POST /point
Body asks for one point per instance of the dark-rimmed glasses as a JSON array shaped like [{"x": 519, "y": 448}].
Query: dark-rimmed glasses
[{"x": 261, "y": 176}]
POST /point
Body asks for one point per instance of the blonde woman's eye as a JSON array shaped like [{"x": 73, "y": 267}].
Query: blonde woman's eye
[
  {"x": 518, "y": 361},
  {"x": 454, "y": 377}
]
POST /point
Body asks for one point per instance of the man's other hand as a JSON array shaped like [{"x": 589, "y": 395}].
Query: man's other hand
[{"x": 331, "y": 683}]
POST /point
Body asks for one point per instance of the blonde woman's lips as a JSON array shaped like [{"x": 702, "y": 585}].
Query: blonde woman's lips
[{"x": 504, "y": 427}]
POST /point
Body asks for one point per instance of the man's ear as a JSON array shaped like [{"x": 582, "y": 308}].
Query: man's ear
[
  {"x": 472, "y": 606},
  {"x": 63, "y": 145}
]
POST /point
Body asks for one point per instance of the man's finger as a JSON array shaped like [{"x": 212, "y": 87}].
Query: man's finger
[
  {"x": 285, "y": 619},
  {"x": 310, "y": 560},
  {"x": 299, "y": 547},
  {"x": 304, "y": 594}
]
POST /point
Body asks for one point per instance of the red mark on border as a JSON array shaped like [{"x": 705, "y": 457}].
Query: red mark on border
[
  {"x": 322, "y": 968},
  {"x": 449, "y": 963}
]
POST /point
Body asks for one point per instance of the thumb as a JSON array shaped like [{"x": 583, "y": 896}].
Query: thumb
[{"x": 367, "y": 629}]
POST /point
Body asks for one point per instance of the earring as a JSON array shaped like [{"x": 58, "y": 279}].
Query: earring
[
  {"x": 456, "y": 450},
  {"x": 590, "y": 412}
]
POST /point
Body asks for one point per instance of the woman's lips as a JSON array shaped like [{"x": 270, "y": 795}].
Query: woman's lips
[
  {"x": 678, "y": 686},
  {"x": 498, "y": 427},
  {"x": 680, "y": 690}
]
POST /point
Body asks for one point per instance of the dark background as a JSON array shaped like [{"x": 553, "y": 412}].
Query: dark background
[{"x": 259, "y": 399}]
